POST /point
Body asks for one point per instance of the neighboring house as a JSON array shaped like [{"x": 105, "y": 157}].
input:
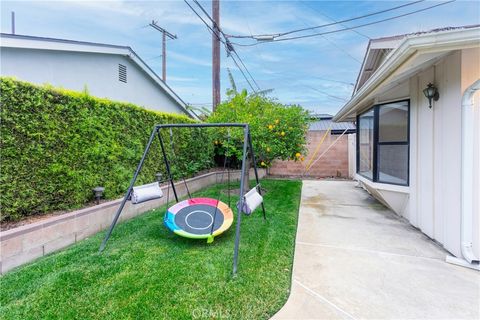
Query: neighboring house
[
  {"x": 104, "y": 70},
  {"x": 330, "y": 151},
  {"x": 423, "y": 162}
]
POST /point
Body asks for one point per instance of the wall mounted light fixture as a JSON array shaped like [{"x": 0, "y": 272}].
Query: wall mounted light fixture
[
  {"x": 431, "y": 92},
  {"x": 98, "y": 191}
]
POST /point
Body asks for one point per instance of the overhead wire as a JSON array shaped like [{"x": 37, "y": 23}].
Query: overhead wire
[
  {"x": 228, "y": 47},
  {"x": 238, "y": 67},
  {"x": 335, "y": 45},
  {"x": 325, "y": 93},
  {"x": 350, "y": 28},
  {"x": 246, "y": 69},
  {"x": 331, "y": 24},
  {"x": 332, "y": 19},
  {"x": 204, "y": 22}
]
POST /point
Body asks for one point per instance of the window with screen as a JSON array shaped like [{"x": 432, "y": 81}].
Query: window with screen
[
  {"x": 365, "y": 133},
  {"x": 383, "y": 143}
]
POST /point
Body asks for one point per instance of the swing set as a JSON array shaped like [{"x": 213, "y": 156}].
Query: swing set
[{"x": 196, "y": 218}]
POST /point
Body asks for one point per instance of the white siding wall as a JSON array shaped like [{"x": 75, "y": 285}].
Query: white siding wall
[
  {"x": 470, "y": 73},
  {"x": 435, "y": 169},
  {"x": 433, "y": 201},
  {"x": 77, "y": 70}
]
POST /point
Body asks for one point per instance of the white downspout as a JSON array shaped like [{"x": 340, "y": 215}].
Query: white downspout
[{"x": 466, "y": 219}]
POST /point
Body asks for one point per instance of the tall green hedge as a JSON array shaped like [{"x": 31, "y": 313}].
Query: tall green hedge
[{"x": 57, "y": 145}]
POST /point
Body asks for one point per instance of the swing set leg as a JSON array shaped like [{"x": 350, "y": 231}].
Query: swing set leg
[
  {"x": 132, "y": 183},
  {"x": 256, "y": 171},
  {"x": 240, "y": 205}
]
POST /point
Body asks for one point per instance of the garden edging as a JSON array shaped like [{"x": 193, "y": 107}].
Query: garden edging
[{"x": 29, "y": 242}]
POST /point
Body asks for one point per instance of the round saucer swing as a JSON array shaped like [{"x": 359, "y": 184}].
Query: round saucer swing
[{"x": 199, "y": 218}]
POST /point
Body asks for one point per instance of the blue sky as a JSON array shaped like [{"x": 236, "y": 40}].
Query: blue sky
[{"x": 317, "y": 73}]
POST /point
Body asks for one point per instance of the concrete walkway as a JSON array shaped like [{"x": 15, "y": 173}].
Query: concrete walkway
[{"x": 355, "y": 259}]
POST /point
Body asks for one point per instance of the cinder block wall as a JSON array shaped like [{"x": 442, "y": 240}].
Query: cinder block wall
[
  {"x": 333, "y": 164},
  {"x": 29, "y": 242}
]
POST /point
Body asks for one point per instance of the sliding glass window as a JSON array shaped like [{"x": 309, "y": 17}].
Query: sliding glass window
[{"x": 383, "y": 143}]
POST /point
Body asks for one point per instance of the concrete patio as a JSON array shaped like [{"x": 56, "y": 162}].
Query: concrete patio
[{"x": 356, "y": 259}]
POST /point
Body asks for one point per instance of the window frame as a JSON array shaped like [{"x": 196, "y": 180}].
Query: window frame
[{"x": 377, "y": 143}]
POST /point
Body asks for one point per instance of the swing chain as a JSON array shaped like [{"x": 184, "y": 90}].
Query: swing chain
[{"x": 175, "y": 157}]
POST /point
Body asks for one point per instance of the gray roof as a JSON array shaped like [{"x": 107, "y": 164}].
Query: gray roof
[
  {"x": 336, "y": 127},
  {"x": 436, "y": 30},
  {"x": 321, "y": 116},
  {"x": 88, "y": 43}
]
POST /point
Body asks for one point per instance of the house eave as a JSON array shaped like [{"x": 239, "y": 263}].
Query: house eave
[{"x": 410, "y": 47}]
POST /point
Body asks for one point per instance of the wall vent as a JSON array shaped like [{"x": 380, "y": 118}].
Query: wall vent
[{"x": 122, "y": 73}]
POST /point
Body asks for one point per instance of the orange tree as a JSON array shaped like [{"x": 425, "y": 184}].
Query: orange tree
[{"x": 278, "y": 131}]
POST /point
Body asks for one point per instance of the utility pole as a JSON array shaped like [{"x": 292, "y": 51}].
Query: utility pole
[
  {"x": 216, "y": 53},
  {"x": 13, "y": 22},
  {"x": 165, "y": 34}
]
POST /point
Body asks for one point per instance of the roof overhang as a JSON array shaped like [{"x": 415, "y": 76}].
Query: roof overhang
[
  {"x": 414, "y": 54},
  {"x": 377, "y": 49},
  {"x": 41, "y": 43}
]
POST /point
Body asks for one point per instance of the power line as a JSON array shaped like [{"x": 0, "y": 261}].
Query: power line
[
  {"x": 331, "y": 19},
  {"x": 333, "y": 23},
  {"x": 243, "y": 74},
  {"x": 206, "y": 24},
  {"x": 226, "y": 43},
  {"x": 207, "y": 14},
  {"x": 165, "y": 34},
  {"x": 334, "y": 44},
  {"x": 243, "y": 64},
  {"x": 291, "y": 75},
  {"x": 350, "y": 28},
  {"x": 325, "y": 93}
]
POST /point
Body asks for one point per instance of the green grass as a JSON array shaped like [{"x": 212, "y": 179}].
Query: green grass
[{"x": 146, "y": 272}]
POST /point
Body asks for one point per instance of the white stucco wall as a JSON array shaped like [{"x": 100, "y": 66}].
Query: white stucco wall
[{"x": 96, "y": 71}]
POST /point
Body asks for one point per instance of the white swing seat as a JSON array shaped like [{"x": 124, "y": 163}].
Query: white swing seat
[
  {"x": 146, "y": 192},
  {"x": 252, "y": 199}
]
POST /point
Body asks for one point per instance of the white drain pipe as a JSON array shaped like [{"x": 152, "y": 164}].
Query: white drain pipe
[{"x": 466, "y": 219}]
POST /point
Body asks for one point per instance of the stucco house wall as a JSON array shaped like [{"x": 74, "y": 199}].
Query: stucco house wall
[
  {"x": 96, "y": 72},
  {"x": 95, "y": 67}
]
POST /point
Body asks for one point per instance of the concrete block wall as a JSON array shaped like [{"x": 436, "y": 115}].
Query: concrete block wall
[
  {"x": 335, "y": 163},
  {"x": 29, "y": 242}
]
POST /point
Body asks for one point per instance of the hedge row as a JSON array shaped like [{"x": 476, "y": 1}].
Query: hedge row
[{"x": 57, "y": 145}]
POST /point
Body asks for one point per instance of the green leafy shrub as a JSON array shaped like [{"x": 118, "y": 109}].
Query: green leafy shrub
[
  {"x": 278, "y": 131},
  {"x": 56, "y": 145}
]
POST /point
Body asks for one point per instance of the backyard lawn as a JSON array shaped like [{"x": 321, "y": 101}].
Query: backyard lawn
[{"x": 148, "y": 272}]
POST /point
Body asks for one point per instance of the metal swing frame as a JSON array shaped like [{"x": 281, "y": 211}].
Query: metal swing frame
[{"x": 247, "y": 146}]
